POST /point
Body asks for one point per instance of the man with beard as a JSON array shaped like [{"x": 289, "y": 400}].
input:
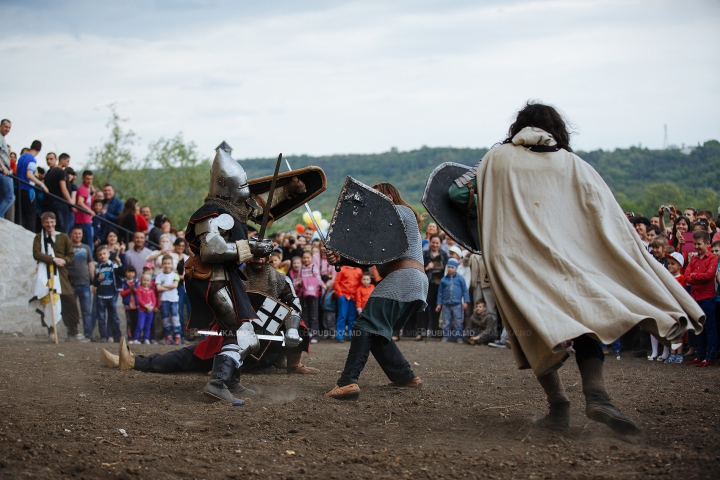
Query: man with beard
[{"x": 261, "y": 277}]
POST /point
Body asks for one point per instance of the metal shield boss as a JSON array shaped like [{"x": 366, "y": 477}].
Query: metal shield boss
[
  {"x": 366, "y": 227},
  {"x": 271, "y": 313},
  {"x": 444, "y": 212}
]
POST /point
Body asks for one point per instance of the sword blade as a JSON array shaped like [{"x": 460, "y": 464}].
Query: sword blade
[
  {"x": 312, "y": 217},
  {"x": 272, "y": 338},
  {"x": 261, "y": 233}
]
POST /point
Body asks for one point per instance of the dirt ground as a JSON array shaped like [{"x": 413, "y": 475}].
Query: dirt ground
[{"x": 62, "y": 411}]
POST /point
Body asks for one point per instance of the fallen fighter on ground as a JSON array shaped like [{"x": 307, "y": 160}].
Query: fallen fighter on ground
[{"x": 199, "y": 358}]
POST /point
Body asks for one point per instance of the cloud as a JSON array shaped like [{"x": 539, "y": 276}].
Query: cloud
[{"x": 328, "y": 77}]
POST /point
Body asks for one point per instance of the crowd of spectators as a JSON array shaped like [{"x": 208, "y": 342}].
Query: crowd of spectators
[{"x": 122, "y": 256}]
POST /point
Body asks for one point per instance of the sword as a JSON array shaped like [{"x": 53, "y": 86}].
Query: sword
[
  {"x": 312, "y": 217},
  {"x": 272, "y": 338},
  {"x": 263, "y": 226}
]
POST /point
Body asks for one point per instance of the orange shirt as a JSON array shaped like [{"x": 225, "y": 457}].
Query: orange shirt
[
  {"x": 347, "y": 280},
  {"x": 362, "y": 294}
]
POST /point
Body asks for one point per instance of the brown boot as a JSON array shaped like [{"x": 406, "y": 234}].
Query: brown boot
[
  {"x": 559, "y": 416},
  {"x": 348, "y": 392},
  {"x": 127, "y": 359},
  {"x": 598, "y": 405},
  {"x": 108, "y": 359},
  {"x": 294, "y": 365},
  {"x": 414, "y": 383}
]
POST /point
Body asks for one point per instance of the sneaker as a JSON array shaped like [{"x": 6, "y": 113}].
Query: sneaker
[
  {"x": 459, "y": 340},
  {"x": 704, "y": 363},
  {"x": 168, "y": 340},
  {"x": 446, "y": 340},
  {"x": 103, "y": 340},
  {"x": 678, "y": 359},
  {"x": 497, "y": 345},
  {"x": 670, "y": 358},
  {"x": 177, "y": 339},
  {"x": 694, "y": 361},
  {"x": 618, "y": 357},
  {"x": 146, "y": 342},
  {"x": 314, "y": 340},
  {"x": 651, "y": 358}
]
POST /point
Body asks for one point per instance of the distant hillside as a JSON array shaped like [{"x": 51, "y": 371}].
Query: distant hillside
[{"x": 641, "y": 179}]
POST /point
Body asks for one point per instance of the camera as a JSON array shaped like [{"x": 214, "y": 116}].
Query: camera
[{"x": 666, "y": 208}]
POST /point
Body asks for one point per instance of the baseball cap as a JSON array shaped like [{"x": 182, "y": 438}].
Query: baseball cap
[
  {"x": 452, "y": 263},
  {"x": 678, "y": 258}
]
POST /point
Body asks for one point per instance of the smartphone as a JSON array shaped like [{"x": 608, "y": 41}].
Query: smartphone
[{"x": 688, "y": 246}]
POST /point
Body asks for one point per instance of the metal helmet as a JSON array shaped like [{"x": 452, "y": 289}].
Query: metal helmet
[{"x": 228, "y": 179}]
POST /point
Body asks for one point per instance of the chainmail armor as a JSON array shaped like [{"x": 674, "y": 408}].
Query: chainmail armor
[
  {"x": 239, "y": 212},
  {"x": 267, "y": 280},
  {"x": 466, "y": 178}
]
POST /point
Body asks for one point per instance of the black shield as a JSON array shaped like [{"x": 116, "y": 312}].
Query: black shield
[
  {"x": 366, "y": 227},
  {"x": 435, "y": 199}
]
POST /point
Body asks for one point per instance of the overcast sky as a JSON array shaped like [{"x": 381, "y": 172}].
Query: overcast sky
[{"x": 322, "y": 77}]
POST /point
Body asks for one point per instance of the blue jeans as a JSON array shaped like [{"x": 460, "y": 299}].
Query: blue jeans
[
  {"x": 82, "y": 293},
  {"x": 184, "y": 302},
  {"x": 7, "y": 195},
  {"x": 87, "y": 239},
  {"x": 707, "y": 341},
  {"x": 170, "y": 317},
  {"x": 346, "y": 313},
  {"x": 108, "y": 305},
  {"x": 452, "y": 315},
  {"x": 62, "y": 216}
]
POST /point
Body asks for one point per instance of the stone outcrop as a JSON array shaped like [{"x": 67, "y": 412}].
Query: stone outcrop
[{"x": 17, "y": 267}]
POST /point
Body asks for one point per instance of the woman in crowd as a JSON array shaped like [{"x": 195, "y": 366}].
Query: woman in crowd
[
  {"x": 131, "y": 220},
  {"x": 435, "y": 260},
  {"x": 430, "y": 230}
]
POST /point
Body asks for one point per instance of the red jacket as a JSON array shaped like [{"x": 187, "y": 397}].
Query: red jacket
[
  {"x": 347, "y": 282},
  {"x": 700, "y": 275},
  {"x": 362, "y": 294}
]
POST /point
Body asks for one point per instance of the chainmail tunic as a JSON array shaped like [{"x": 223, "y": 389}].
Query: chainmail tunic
[
  {"x": 408, "y": 284},
  {"x": 240, "y": 212}
]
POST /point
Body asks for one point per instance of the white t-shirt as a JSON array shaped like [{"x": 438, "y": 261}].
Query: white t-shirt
[{"x": 168, "y": 279}]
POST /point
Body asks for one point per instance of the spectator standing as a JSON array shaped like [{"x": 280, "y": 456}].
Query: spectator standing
[
  {"x": 700, "y": 275},
  {"x": 63, "y": 255},
  {"x": 329, "y": 309},
  {"x": 675, "y": 264},
  {"x": 435, "y": 260},
  {"x": 156, "y": 232},
  {"x": 310, "y": 284},
  {"x": 166, "y": 248},
  {"x": 84, "y": 202},
  {"x": 7, "y": 192},
  {"x": 641, "y": 224},
  {"x": 81, "y": 273},
  {"x": 452, "y": 299},
  {"x": 131, "y": 220},
  {"x": 147, "y": 215},
  {"x": 112, "y": 206},
  {"x": 180, "y": 245},
  {"x": 166, "y": 284},
  {"x": 26, "y": 169},
  {"x": 57, "y": 184},
  {"x": 147, "y": 303},
  {"x": 347, "y": 281},
  {"x": 106, "y": 285},
  {"x": 129, "y": 299},
  {"x": 362, "y": 294},
  {"x": 100, "y": 228}
]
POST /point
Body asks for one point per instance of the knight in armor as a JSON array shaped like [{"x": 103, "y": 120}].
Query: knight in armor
[
  {"x": 217, "y": 235},
  {"x": 396, "y": 299},
  {"x": 564, "y": 263},
  {"x": 260, "y": 277}
]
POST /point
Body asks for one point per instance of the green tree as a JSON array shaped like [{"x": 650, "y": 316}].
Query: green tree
[{"x": 115, "y": 154}]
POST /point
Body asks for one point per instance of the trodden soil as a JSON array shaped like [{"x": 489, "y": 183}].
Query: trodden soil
[{"x": 62, "y": 412}]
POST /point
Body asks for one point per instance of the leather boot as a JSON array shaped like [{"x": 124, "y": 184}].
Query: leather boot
[
  {"x": 294, "y": 365},
  {"x": 281, "y": 362},
  {"x": 127, "y": 359},
  {"x": 558, "y": 418},
  {"x": 223, "y": 367},
  {"x": 108, "y": 359},
  {"x": 598, "y": 405},
  {"x": 235, "y": 387}
]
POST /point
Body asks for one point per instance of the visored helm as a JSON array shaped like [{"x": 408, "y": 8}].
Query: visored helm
[{"x": 228, "y": 179}]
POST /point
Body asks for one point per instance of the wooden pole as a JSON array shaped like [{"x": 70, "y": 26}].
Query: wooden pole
[{"x": 51, "y": 284}]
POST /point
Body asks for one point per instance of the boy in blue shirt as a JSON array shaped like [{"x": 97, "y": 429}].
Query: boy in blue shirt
[
  {"x": 107, "y": 284},
  {"x": 452, "y": 299}
]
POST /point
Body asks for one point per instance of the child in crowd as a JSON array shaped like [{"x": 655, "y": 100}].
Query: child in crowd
[
  {"x": 106, "y": 285},
  {"x": 700, "y": 275},
  {"x": 294, "y": 273},
  {"x": 675, "y": 264},
  {"x": 320, "y": 260},
  {"x": 658, "y": 248},
  {"x": 452, "y": 299},
  {"x": 129, "y": 299},
  {"x": 363, "y": 292},
  {"x": 329, "y": 307},
  {"x": 166, "y": 283},
  {"x": 482, "y": 325},
  {"x": 310, "y": 284},
  {"x": 347, "y": 281},
  {"x": 100, "y": 228},
  {"x": 147, "y": 302},
  {"x": 275, "y": 260}
]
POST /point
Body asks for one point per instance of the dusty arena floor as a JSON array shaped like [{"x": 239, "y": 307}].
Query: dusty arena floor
[{"x": 62, "y": 412}]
